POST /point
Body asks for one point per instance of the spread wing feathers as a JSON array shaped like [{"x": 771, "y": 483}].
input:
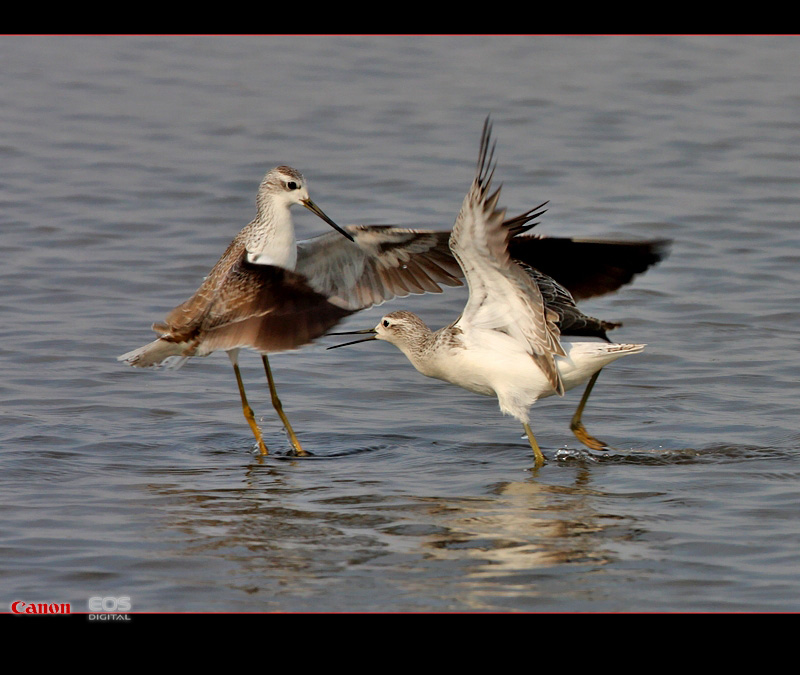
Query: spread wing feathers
[
  {"x": 381, "y": 263},
  {"x": 588, "y": 268},
  {"x": 242, "y": 304},
  {"x": 384, "y": 262},
  {"x": 502, "y": 296}
]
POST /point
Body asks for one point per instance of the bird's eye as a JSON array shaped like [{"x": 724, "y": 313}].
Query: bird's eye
[
  {"x": 291, "y": 185},
  {"x": 386, "y": 323}
]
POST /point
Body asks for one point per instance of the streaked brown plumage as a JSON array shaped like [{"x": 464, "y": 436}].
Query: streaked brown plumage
[
  {"x": 251, "y": 298},
  {"x": 244, "y": 304}
]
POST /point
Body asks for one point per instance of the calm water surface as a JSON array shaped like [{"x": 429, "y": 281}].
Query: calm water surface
[{"x": 128, "y": 163}]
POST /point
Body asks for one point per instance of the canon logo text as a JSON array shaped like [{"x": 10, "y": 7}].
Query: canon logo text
[{"x": 20, "y": 607}]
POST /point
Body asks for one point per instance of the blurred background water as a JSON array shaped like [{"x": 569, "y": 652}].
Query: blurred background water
[{"x": 128, "y": 163}]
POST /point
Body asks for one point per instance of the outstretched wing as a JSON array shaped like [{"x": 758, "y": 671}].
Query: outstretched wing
[
  {"x": 381, "y": 263},
  {"x": 502, "y": 296},
  {"x": 384, "y": 261},
  {"x": 588, "y": 267}
]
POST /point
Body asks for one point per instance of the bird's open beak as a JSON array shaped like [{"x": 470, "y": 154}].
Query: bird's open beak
[
  {"x": 373, "y": 336},
  {"x": 311, "y": 206}
]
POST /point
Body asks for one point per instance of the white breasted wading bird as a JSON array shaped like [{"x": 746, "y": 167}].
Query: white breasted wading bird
[{"x": 507, "y": 342}]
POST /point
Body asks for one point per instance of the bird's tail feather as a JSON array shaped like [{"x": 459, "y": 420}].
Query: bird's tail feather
[{"x": 157, "y": 353}]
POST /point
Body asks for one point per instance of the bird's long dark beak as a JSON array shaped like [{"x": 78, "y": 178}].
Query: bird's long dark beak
[
  {"x": 355, "y": 332},
  {"x": 311, "y": 206}
]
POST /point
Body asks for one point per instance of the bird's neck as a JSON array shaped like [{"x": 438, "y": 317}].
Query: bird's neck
[
  {"x": 271, "y": 239},
  {"x": 417, "y": 348},
  {"x": 432, "y": 351}
]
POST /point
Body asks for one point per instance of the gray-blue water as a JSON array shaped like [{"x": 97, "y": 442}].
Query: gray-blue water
[{"x": 128, "y": 163}]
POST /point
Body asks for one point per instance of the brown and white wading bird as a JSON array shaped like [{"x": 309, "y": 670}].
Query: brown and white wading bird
[
  {"x": 508, "y": 340},
  {"x": 270, "y": 293}
]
